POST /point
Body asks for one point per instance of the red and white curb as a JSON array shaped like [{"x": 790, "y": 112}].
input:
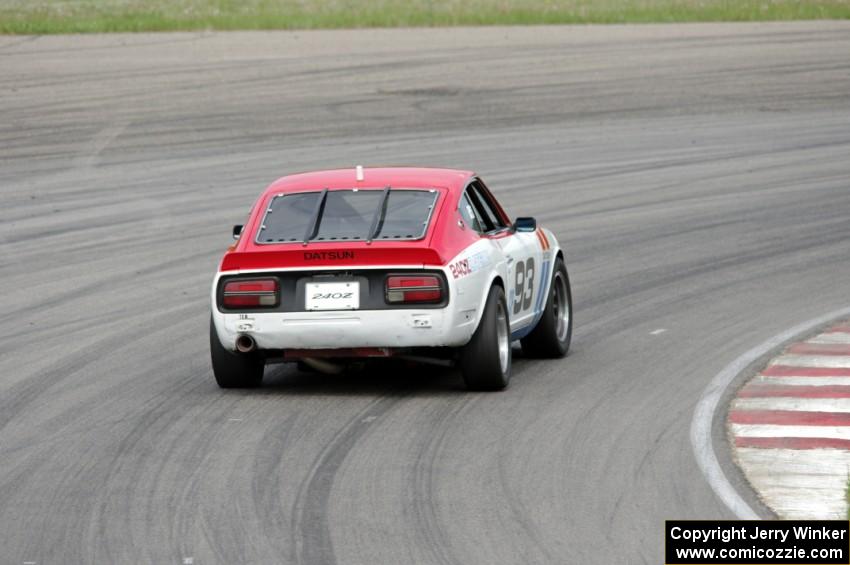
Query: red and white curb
[{"x": 790, "y": 428}]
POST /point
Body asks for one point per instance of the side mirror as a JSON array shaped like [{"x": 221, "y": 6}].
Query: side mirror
[
  {"x": 237, "y": 231},
  {"x": 525, "y": 224}
]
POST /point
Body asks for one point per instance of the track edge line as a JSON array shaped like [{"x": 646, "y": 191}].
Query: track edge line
[{"x": 709, "y": 402}]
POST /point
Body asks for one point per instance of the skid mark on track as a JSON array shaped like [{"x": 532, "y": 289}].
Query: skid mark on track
[
  {"x": 127, "y": 475},
  {"x": 20, "y": 41},
  {"x": 270, "y": 480},
  {"x": 423, "y": 488},
  {"x": 64, "y": 296},
  {"x": 20, "y": 396},
  {"x": 189, "y": 512},
  {"x": 312, "y": 541},
  {"x": 90, "y": 154}
]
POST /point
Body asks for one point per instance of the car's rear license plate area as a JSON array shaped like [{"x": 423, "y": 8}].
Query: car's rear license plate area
[{"x": 332, "y": 295}]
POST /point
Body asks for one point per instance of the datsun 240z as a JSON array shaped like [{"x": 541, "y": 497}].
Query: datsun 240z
[{"x": 409, "y": 262}]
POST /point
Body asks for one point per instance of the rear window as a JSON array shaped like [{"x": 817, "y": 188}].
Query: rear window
[{"x": 348, "y": 215}]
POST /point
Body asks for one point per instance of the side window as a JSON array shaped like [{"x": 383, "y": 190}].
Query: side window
[
  {"x": 481, "y": 199},
  {"x": 468, "y": 214},
  {"x": 483, "y": 219}
]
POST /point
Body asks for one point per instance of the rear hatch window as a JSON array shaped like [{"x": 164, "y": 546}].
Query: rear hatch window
[{"x": 348, "y": 215}]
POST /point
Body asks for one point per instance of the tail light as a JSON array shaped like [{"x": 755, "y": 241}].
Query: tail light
[
  {"x": 255, "y": 293},
  {"x": 414, "y": 289}
]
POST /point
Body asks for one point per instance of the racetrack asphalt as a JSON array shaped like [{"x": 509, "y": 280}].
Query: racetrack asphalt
[{"x": 698, "y": 177}]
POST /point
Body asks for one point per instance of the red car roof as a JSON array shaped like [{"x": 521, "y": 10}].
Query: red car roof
[
  {"x": 379, "y": 177},
  {"x": 430, "y": 250}
]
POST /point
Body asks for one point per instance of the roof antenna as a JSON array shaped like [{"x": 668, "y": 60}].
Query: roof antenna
[{"x": 359, "y": 170}]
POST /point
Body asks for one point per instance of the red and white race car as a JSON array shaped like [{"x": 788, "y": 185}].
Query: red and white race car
[{"x": 378, "y": 262}]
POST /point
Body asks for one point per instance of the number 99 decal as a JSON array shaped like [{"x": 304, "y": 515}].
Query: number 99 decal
[{"x": 523, "y": 285}]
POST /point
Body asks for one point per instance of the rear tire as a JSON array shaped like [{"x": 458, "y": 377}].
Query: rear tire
[
  {"x": 486, "y": 360},
  {"x": 552, "y": 335},
  {"x": 234, "y": 370}
]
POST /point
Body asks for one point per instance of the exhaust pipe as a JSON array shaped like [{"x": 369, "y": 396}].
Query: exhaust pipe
[{"x": 245, "y": 344}]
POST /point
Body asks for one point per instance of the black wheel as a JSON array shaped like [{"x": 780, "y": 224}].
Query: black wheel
[
  {"x": 234, "y": 370},
  {"x": 552, "y": 335},
  {"x": 486, "y": 360}
]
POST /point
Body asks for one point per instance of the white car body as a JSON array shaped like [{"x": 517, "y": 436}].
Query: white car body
[{"x": 521, "y": 260}]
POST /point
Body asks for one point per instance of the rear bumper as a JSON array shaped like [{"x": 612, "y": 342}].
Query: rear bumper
[{"x": 348, "y": 329}]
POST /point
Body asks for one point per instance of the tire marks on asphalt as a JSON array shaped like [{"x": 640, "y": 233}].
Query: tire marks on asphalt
[{"x": 311, "y": 537}]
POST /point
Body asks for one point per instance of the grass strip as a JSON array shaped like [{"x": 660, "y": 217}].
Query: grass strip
[{"x": 89, "y": 16}]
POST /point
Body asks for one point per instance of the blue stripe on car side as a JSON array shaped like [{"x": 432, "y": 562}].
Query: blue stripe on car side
[{"x": 543, "y": 277}]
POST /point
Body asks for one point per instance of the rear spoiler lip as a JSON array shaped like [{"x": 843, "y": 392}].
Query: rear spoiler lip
[{"x": 305, "y": 258}]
